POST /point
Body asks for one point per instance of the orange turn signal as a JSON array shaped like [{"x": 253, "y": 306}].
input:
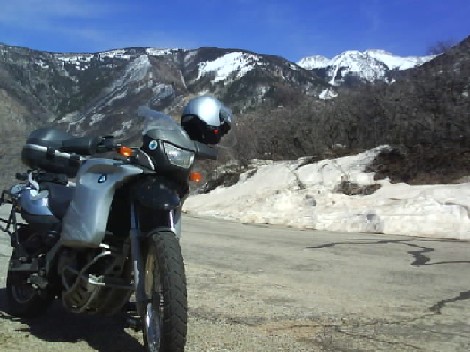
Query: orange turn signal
[
  {"x": 126, "y": 151},
  {"x": 195, "y": 177}
]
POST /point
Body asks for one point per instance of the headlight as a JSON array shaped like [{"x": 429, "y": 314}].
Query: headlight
[{"x": 177, "y": 156}]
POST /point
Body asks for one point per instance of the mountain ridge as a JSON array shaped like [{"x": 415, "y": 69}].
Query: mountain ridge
[
  {"x": 369, "y": 65},
  {"x": 284, "y": 107}
]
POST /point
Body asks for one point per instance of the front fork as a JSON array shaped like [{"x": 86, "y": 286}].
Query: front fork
[
  {"x": 174, "y": 223},
  {"x": 137, "y": 262}
]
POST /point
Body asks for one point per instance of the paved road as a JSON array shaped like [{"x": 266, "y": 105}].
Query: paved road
[
  {"x": 333, "y": 291},
  {"x": 266, "y": 288}
]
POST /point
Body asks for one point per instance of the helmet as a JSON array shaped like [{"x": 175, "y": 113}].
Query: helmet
[{"x": 206, "y": 119}]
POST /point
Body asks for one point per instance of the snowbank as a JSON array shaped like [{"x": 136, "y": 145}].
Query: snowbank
[{"x": 304, "y": 196}]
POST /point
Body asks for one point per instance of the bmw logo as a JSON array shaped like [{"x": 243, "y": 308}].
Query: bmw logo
[
  {"x": 102, "y": 178},
  {"x": 153, "y": 145}
]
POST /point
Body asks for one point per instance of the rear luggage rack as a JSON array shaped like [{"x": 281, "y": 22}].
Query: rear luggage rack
[
  {"x": 6, "y": 198},
  {"x": 10, "y": 226}
]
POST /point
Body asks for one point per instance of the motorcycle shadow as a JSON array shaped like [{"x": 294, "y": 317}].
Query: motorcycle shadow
[{"x": 104, "y": 334}]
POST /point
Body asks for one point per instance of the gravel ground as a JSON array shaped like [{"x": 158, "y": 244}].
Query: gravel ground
[{"x": 60, "y": 330}]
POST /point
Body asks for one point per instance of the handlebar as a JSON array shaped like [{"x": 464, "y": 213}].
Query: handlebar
[
  {"x": 89, "y": 145},
  {"x": 204, "y": 152},
  {"x": 107, "y": 144},
  {"x": 92, "y": 145}
]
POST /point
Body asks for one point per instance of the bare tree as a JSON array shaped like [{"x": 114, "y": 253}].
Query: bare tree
[{"x": 440, "y": 47}]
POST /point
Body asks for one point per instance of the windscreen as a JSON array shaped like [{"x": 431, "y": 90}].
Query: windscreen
[{"x": 156, "y": 120}]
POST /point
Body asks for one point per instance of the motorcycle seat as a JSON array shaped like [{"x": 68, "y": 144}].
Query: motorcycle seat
[{"x": 60, "y": 197}]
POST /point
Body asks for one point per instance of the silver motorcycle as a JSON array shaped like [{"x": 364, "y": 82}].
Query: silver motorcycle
[{"x": 111, "y": 233}]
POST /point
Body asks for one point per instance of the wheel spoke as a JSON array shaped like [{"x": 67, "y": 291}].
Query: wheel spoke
[
  {"x": 154, "y": 307},
  {"x": 152, "y": 326}
]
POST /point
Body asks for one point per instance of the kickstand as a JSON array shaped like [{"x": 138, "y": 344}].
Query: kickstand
[{"x": 133, "y": 319}]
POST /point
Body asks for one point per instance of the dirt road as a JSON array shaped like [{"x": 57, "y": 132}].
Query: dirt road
[{"x": 264, "y": 288}]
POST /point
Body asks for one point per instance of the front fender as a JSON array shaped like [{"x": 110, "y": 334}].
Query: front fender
[
  {"x": 84, "y": 223},
  {"x": 156, "y": 193}
]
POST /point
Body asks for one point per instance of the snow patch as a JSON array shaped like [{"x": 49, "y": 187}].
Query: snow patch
[
  {"x": 225, "y": 66},
  {"x": 41, "y": 64},
  {"x": 74, "y": 58},
  {"x": 160, "y": 52},
  {"x": 70, "y": 117},
  {"x": 328, "y": 94},
  {"x": 80, "y": 61},
  {"x": 394, "y": 62},
  {"x": 114, "y": 54},
  {"x": 95, "y": 118},
  {"x": 304, "y": 196},
  {"x": 314, "y": 62}
]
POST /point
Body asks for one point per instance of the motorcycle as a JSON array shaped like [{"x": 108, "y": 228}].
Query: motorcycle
[{"x": 112, "y": 233}]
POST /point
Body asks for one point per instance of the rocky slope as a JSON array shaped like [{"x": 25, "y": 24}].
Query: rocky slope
[{"x": 79, "y": 89}]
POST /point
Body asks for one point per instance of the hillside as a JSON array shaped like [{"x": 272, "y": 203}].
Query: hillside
[
  {"x": 424, "y": 113},
  {"x": 99, "y": 93},
  {"x": 284, "y": 111}
]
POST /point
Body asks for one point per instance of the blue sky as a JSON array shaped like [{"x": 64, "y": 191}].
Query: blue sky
[{"x": 289, "y": 28}]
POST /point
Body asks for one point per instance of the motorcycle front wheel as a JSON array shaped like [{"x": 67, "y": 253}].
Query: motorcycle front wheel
[{"x": 166, "y": 313}]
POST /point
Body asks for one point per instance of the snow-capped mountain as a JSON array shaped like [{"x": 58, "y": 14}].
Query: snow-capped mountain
[
  {"x": 369, "y": 65},
  {"x": 99, "y": 93},
  {"x": 233, "y": 65},
  {"x": 314, "y": 62},
  {"x": 85, "y": 91}
]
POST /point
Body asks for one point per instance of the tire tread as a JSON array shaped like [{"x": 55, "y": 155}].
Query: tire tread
[{"x": 171, "y": 264}]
